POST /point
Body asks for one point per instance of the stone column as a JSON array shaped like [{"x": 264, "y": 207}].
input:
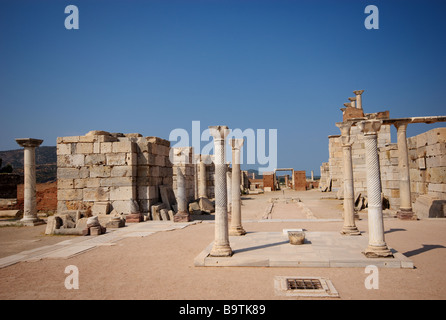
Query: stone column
[
  {"x": 236, "y": 228},
  {"x": 405, "y": 211},
  {"x": 183, "y": 214},
  {"x": 349, "y": 227},
  {"x": 221, "y": 247},
  {"x": 30, "y": 207},
  {"x": 196, "y": 159},
  {"x": 358, "y": 94},
  {"x": 202, "y": 183},
  {"x": 377, "y": 245},
  {"x": 229, "y": 190},
  {"x": 353, "y": 102}
]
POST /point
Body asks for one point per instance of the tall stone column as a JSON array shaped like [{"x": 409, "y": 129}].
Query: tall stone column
[
  {"x": 229, "y": 190},
  {"x": 30, "y": 206},
  {"x": 377, "y": 245},
  {"x": 405, "y": 211},
  {"x": 236, "y": 228},
  {"x": 349, "y": 227},
  {"x": 202, "y": 190},
  {"x": 183, "y": 214},
  {"x": 221, "y": 247},
  {"x": 196, "y": 159},
  {"x": 358, "y": 94}
]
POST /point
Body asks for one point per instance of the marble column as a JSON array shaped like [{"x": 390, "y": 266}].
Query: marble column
[
  {"x": 30, "y": 204},
  {"x": 202, "y": 183},
  {"x": 182, "y": 214},
  {"x": 236, "y": 228},
  {"x": 377, "y": 245},
  {"x": 353, "y": 102},
  {"x": 196, "y": 159},
  {"x": 358, "y": 94},
  {"x": 229, "y": 189},
  {"x": 349, "y": 227},
  {"x": 221, "y": 247},
  {"x": 405, "y": 211}
]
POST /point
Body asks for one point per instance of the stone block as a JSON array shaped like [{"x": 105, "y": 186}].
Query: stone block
[
  {"x": 53, "y": 223},
  {"x": 429, "y": 207},
  {"x": 148, "y": 192},
  {"x": 100, "y": 208},
  {"x": 83, "y": 148},
  {"x": 95, "y": 159},
  {"x": 106, "y": 147},
  {"x": 68, "y": 173},
  {"x": 122, "y": 193},
  {"x": 164, "y": 213},
  {"x": 437, "y": 135},
  {"x": 156, "y": 211},
  {"x": 123, "y": 146},
  {"x": 69, "y": 194},
  {"x": 65, "y": 183},
  {"x": 124, "y": 171},
  {"x": 116, "y": 159},
  {"x": 96, "y": 194},
  {"x": 100, "y": 172},
  {"x": 116, "y": 182},
  {"x": 134, "y": 218},
  {"x": 70, "y": 160},
  {"x": 124, "y": 206},
  {"x": 63, "y": 149}
]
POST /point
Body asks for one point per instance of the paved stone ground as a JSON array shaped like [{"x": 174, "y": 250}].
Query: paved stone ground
[{"x": 139, "y": 263}]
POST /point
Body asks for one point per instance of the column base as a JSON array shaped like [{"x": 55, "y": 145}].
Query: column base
[
  {"x": 378, "y": 252},
  {"x": 31, "y": 222},
  {"x": 237, "y": 231},
  {"x": 221, "y": 251},
  {"x": 350, "y": 231},
  {"x": 406, "y": 214},
  {"x": 181, "y": 217}
]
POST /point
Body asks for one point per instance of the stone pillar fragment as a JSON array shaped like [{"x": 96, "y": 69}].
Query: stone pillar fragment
[
  {"x": 353, "y": 102},
  {"x": 236, "y": 228},
  {"x": 202, "y": 190},
  {"x": 349, "y": 227},
  {"x": 377, "y": 245},
  {"x": 183, "y": 214},
  {"x": 30, "y": 207},
  {"x": 405, "y": 211},
  {"x": 221, "y": 247},
  {"x": 358, "y": 94}
]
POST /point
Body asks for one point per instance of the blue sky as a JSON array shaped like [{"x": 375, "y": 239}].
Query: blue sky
[{"x": 154, "y": 66}]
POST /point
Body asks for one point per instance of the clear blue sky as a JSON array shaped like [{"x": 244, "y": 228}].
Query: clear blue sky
[{"x": 153, "y": 66}]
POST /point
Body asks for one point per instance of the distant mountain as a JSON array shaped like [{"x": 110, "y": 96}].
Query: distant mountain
[{"x": 46, "y": 162}]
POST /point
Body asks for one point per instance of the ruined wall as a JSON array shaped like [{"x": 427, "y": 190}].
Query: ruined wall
[
  {"x": 300, "y": 181},
  {"x": 390, "y": 183},
  {"x": 183, "y": 158},
  {"x": 123, "y": 170},
  {"x": 427, "y": 163},
  {"x": 335, "y": 164}
]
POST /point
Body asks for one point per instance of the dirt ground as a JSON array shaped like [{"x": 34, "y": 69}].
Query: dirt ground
[{"x": 161, "y": 266}]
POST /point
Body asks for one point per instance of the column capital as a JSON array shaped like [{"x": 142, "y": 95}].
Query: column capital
[
  {"x": 352, "y": 99},
  {"x": 29, "y": 142},
  {"x": 370, "y": 127},
  {"x": 358, "y": 92},
  {"x": 348, "y": 104},
  {"x": 345, "y": 133},
  {"x": 401, "y": 125},
  {"x": 219, "y": 132},
  {"x": 236, "y": 143}
]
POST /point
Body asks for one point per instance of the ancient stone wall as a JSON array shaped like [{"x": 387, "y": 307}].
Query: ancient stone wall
[
  {"x": 427, "y": 163},
  {"x": 123, "y": 170},
  {"x": 183, "y": 158}
]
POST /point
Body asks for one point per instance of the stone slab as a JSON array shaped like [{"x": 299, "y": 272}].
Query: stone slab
[{"x": 320, "y": 250}]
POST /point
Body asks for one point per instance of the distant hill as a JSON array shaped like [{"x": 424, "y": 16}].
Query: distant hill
[{"x": 46, "y": 162}]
